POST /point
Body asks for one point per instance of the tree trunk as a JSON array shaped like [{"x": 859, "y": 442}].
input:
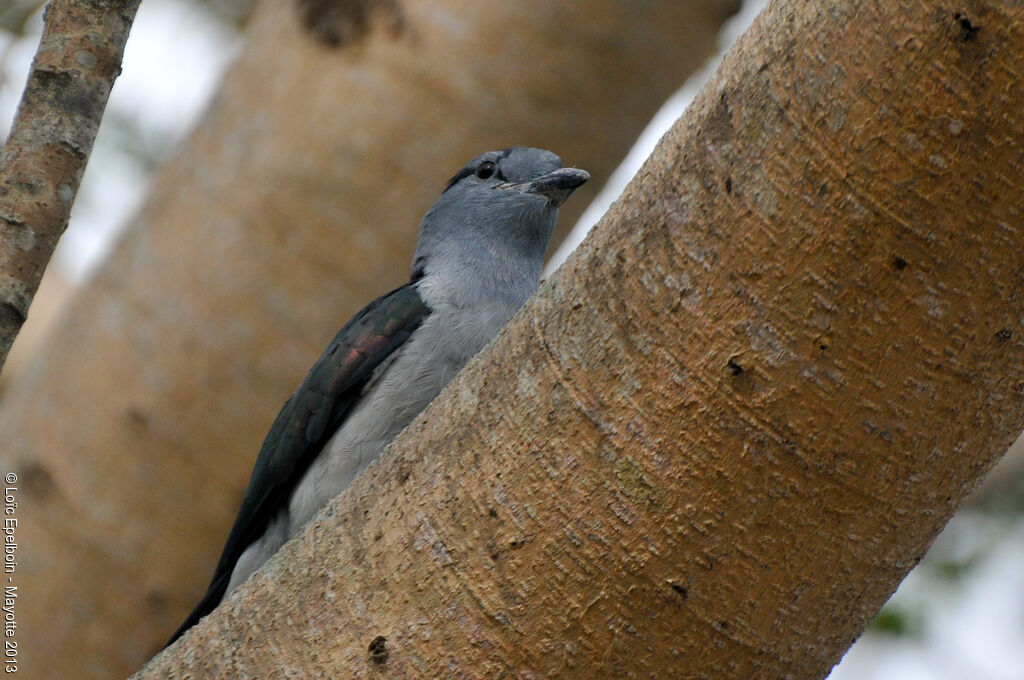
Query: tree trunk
[
  {"x": 720, "y": 436},
  {"x": 294, "y": 202}
]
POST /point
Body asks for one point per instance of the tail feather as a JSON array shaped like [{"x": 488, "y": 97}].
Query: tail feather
[{"x": 214, "y": 594}]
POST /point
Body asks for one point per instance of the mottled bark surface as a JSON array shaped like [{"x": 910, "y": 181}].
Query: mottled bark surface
[
  {"x": 727, "y": 428},
  {"x": 41, "y": 164},
  {"x": 294, "y": 203}
]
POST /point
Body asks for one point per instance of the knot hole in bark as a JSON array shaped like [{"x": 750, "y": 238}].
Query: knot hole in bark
[
  {"x": 968, "y": 31},
  {"x": 379, "y": 649},
  {"x": 35, "y": 479},
  {"x": 338, "y": 23}
]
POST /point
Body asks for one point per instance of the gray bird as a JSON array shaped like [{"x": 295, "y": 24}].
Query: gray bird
[{"x": 479, "y": 256}]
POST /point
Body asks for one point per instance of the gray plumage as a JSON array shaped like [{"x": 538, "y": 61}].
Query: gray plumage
[{"x": 478, "y": 258}]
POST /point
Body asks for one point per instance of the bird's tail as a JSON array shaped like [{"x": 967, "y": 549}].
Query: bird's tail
[{"x": 214, "y": 594}]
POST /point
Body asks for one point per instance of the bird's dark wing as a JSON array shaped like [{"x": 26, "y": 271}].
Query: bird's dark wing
[{"x": 307, "y": 421}]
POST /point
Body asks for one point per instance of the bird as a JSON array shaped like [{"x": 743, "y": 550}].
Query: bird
[{"x": 478, "y": 258}]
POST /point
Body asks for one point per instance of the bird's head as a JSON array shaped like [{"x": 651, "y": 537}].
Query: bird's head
[{"x": 499, "y": 210}]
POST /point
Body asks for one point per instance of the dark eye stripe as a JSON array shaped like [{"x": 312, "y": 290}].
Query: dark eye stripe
[
  {"x": 465, "y": 172},
  {"x": 471, "y": 170}
]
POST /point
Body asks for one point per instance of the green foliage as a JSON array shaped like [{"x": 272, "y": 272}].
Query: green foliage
[{"x": 897, "y": 622}]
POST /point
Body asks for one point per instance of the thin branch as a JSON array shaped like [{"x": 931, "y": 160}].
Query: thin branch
[{"x": 41, "y": 165}]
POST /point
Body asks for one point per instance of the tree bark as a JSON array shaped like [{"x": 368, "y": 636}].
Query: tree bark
[
  {"x": 724, "y": 431},
  {"x": 294, "y": 202},
  {"x": 42, "y": 162}
]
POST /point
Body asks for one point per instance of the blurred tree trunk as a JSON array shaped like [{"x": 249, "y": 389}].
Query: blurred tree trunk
[
  {"x": 294, "y": 202},
  {"x": 720, "y": 436}
]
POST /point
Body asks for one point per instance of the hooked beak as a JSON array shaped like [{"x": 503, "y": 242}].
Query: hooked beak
[{"x": 556, "y": 186}]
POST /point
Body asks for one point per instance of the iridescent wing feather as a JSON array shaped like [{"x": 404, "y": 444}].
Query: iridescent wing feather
[{"x": 309, "y": 419}]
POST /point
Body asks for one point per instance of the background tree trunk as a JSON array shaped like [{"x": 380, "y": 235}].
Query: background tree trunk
[
  {"x": 727, "y": 428},
  {"x": 294, "y": 202}
]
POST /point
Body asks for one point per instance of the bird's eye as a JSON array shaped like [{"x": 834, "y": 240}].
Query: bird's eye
[{"x": 485, "y": 169}]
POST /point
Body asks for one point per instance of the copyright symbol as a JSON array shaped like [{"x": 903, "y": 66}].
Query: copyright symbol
[{"x": 11, "y": 478}]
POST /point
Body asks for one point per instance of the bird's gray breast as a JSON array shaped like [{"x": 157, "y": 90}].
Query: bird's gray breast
[{"x": 397, "y": 392}]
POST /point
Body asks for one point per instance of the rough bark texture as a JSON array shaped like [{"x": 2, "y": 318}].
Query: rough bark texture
[
  {"x": 294, "y": 202},
  {"x": 727, "y": 428},
  {"x": 42, "y": 162}
]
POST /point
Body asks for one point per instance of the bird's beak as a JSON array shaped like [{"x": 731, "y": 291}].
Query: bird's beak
[{"x": 556, "y": 186}]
